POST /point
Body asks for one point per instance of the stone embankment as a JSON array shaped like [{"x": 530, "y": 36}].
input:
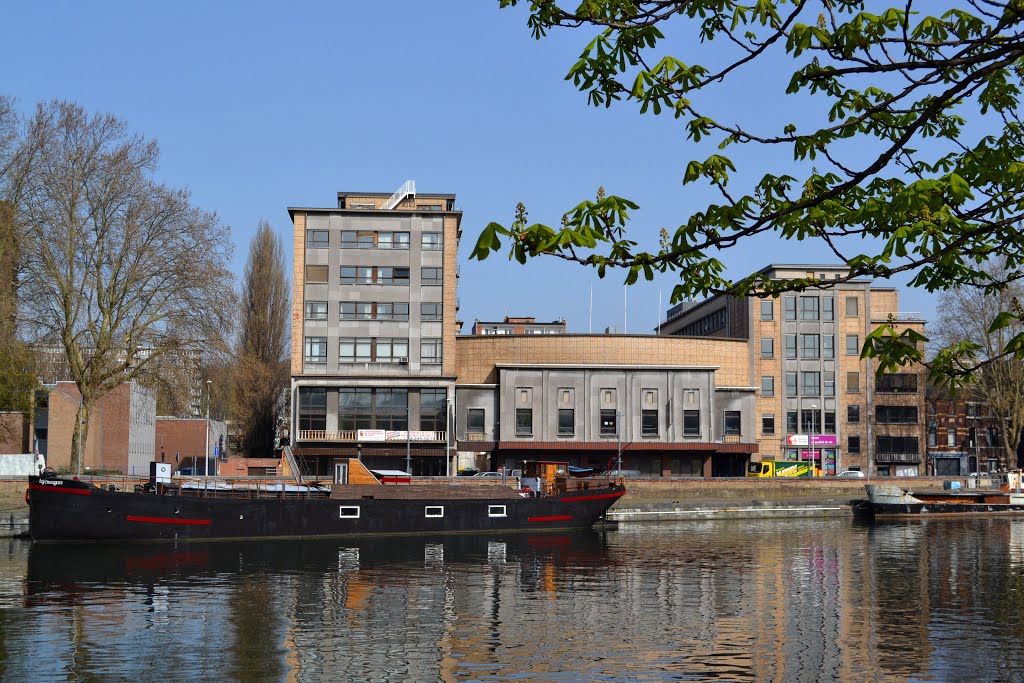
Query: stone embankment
[{"x": 650, "y": 500}]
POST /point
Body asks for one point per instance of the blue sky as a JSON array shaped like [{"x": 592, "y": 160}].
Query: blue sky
[{"x": 258, "y": 106}]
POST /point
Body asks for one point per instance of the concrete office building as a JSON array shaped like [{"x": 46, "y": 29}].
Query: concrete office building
[
  {"x": 373, "y": 331},
  {"x": 817, "y": 396}
]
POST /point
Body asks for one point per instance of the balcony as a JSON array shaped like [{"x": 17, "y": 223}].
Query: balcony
[
  {"x": 898, "y": 457},
  {"x": 371, "y": 436}
]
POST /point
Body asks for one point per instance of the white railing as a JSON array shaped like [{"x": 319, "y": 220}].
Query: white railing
[{"x": 406, "y": 190}]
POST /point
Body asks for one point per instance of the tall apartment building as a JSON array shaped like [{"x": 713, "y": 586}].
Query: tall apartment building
[
  {"x": 818, "y": 398},
  {"x": 373, "y": 331}
]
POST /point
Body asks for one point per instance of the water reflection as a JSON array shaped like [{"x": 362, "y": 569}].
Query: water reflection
[{"x": 793, "y": 600}]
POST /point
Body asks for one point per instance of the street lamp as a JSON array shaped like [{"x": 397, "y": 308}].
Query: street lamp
[
  {"x": 810, "y": 438},
  {"x": 206, "y": 452},
  {"x": 408, "y": 426}
]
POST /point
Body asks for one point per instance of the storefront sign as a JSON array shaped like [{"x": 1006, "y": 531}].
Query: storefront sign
[
  {"x": 371, "y": 434},
  {"x": 816, "y": 440}
]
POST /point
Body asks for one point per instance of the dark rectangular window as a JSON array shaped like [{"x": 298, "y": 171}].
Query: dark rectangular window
[
  {"x": 830, "y": 422},
  {"x": 790, "y": 346},
  {"x": 393, "y": 275},
  {"x": 907, "y": 445},
  {"x": 475, "y": 420},
  {"x": 853, "y": 414},
  {"x": 390, "y": 409},
  {"x": 649, "y": 423},
  {"x": 767, "y": 309},
  {"x": 853, "y": 444},
  {"x": 808, "y": 308},
  {"x": 810, "y": 422},
  {"x": 430, "y": 312},
  {"x": 791, "y": 384},
  {"x": 317, "y": 239},
  {"x": 355, "y": 408},
  {"x": 433, "y": 414},
  {"x": 808, "y": 346},
  {"x": 691, "y": 423},
  {"x": 609, "y": 422},
  {"x": 768, "y": 423},
  {"x": 852, "y": 345},
  {"x": 732, "y": 423},
  {"x": 789, "y": 307},
  {"x": 810, "y": 383},
  {"x": 524, "y": 421},
  {"x": 791, "y": 422},
  {"x": 895, "y": 414},
  {"x": 896, "y": 383},
  {"x": 767, "y": 386},
  {"x": 312, "y": 408},
  {"x": 431, "y": 276},
  {"x": 566, "y": 421}
]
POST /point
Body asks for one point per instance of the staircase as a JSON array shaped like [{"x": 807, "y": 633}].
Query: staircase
[{"x": 406, "y": 190}]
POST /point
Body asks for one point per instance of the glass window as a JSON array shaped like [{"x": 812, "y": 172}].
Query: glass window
[
  {"x": 348, "y": 239},
  {"x": 830, "y": 422},
  {"x": 732, "y": 423},
  {"x": 392, "y": 350},
  {"x": 852, "y": 307},
  {"x": 810, "y": 383},
  {"x": 767, "y": 309},
  {"x": 648, "y": 422},
  {"x": 431, "y": 241},
  {"x": 431, "y": 276},
  {"x": 790, "y": 346},
  {"x": 810, "y": 421},
  {"x": 317, "y": 274},
  {"x": 853, "y": 444},
  {"x": 366, "y": 239},
  {"x": 767, "y": 347},
  {"x": 566, "y": 421},
  {"x": 312, "y": 408},
  {"x": 316, "y": 350},
  {"x": 430, "y": 312},
  {"x": 808, "y": 346},
  {"x": 475, "y": 420},
  {"x": 791, "y": 422},
  {"x": 524, "y": 421},
  {"x": 791, "y": 384},
  {"x": 852, "y": 345},
  {"x": 316, "y": 310},
  {"x": 433, "y": 410},
  {"x": 853, "y": 382},
  {"x": 317, "y": 239},
  {"x": 808, "y": 308},
  {"x": 932, "y": 436},
  {"x": 828, "y": 345},
  {"x": 691, "y": 423},
  {"x": 430, "y": 351},
  {"x": 830, "y": 383},
  {"x": 609, "y": 422},
  {"x": 767, "y": 386},
  {"x": 355, "y": 408},
  {"x": 951, "y": 436},
  {"x": 768, "y": 423},
  {"x": 392, "y": 311},
  {"x": 853, "y": 414},
  {"x": 828, "y": 308},
  {"x": 789, "y": 307},
  {"x": 353, "y": 350}
]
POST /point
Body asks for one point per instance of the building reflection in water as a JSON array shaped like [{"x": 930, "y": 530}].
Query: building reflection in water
[{"x": 793, "y": 600}]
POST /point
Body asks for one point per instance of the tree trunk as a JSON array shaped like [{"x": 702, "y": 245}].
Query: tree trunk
[{"x": 80, "y": 434}]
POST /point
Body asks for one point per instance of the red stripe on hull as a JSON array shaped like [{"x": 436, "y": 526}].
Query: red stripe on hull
[
  {"x": 58, "y": 489},
  {"x": 550, "y": 518},
  {"x": 598, "y": 496},
  {"x": 168, "y": 520}
]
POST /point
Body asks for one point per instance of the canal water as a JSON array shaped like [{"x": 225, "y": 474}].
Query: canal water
[{"x": 774, "y": 600}]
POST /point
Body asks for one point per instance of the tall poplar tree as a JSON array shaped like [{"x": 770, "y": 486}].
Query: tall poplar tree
[{"x": 261, "y": 370}]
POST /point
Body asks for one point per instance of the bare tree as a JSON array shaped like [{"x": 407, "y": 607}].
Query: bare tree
[
  {"x": 261, "y": 371},
  {"x": 120, "y": 270},
  {"x": 965, "y": 315}
]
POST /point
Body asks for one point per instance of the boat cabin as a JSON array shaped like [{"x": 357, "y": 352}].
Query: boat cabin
[{"x": 545, "y": 477}]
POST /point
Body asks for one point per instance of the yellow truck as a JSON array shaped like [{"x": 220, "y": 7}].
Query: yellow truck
[{"x": 782, "y": 468}]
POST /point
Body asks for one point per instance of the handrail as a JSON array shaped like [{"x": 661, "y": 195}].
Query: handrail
[
  {"x": 293, "y": 465},
  {"x": 408, "y": 188}
]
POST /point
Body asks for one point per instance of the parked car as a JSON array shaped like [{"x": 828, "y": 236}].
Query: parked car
[
  {"x": 468, "y": 472},
  {"x": 622, "y": 473},
  {"x": 851, "y": 474},
  {"x": 487, "y": 474}
]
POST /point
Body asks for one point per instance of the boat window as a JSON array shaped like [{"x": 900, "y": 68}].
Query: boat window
[
  {"x": 496, "y": 511},
  {"x": 348, "y": 512},
  {"x": 434, "y": 511}
]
